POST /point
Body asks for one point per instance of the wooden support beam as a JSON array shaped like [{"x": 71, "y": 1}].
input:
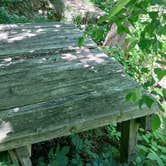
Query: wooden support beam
[
  {"x": 128, "y": 141},
  {"x": 21, "y": 156},
  {"x": 145, "y": 123}
]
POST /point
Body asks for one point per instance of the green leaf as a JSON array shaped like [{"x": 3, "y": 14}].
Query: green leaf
[
  {"x": 65, "y": 150},
  {"x": 164, "y": 93},
  {"x": 160, "y": 106},
  {"x": 163, "y": 157},
  {"x": 51, "y": 154},
  {"x": 149, "y": 83},
  {"x": 102, "y": 19},
  {"x": 160, "y": 73},
  {"x": 81, "y": 41},
  {"x": 145, "y": 70},
  {"x": 146, "y": 138},
  {"x": 153, "y": 15},
  {"x": 143, "y": 148},
  {"x": 128, "y": 97},
  {"x": 134, "y": 95},
  {"x": 138, "y": 92},
  {"x": 77, "y": 141},
  {"x": 98, "y": 34},
  {"x": 118, "y": 7},
  {"x": 140, "y": 103},
  {"x": 60, "y": 156},
  {"x": 161, "y": 62},
  {"x": 153, "y": 156},
  {"x": 122, "y": 29},
  {"x": 144, "y": 43},
  {"x": 148, "y": 101},
  {"x": 155, "y": 122},
  {"x": 115, "y": 10}
]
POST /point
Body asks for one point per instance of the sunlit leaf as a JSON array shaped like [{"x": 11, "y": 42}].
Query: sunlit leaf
[
  {"x": 115, "y": 10},
  {"x": 128, "y": 97},
  {"x": 81, "y": 41},
  {"x": 155, "y": 122},
  {"x": 148, "y": 101},
  {"x": 103, "y": 19},
  {"x": 160, "y": 73},
  {"x": 118, "y": 7}
]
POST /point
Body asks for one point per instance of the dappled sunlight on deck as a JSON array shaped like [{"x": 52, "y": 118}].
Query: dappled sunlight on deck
[
  {"x": 46, "y": 37},
  {"x": 85, "y": 59},
  {"x": 5, "y": 129}
]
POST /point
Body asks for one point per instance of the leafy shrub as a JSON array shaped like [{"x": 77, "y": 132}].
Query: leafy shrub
[
  {"x": 151, "y": 148},
  {"x": 6, "y": 17}
]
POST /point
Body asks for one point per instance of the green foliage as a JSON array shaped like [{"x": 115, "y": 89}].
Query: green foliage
[
  {"x": 85, "y": 149},
  {"x": 144, "y": 60},
  {"x": 59, "y": 158},
  {"x": 156, "y": 122},
  {"x": 4, "y": 159},
  {"x": 9, "y": 15},
  {"x": 144, "y": 22},
  {"x": 4, "y": 164},
  {"x": 97, "y": 33},
  {"x": 115, "y": 10},
  {"x": 81, "y": 41},
  {"x": 151, "y": 148},
  {"x": 105, "y": 5},
  {"x": 160, "y": 73},
  {"x": 135, "y": 95},
  {"x": 6, "y": 17}
]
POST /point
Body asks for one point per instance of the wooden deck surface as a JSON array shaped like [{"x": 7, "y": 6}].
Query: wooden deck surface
[{"x": 50, "y": 88}]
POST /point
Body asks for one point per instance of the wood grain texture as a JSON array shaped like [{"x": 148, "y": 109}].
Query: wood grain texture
[
  {"x": 50, "y": 88},
  {"x": 21, "y": 156},
  {"x": 128, "y": 141}
]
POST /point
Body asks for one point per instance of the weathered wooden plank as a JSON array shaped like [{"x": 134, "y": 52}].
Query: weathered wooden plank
[
  {"x": 59, "y": 80},
  {"x": 20, "y": 26},
  {"x": 8, "y": 37},
  {"x": 19, "y": 41},
  {"x": 76, "y": 122},
  {"x": 62, "y": 82},
  {"x": 38, "y": 43},
  {"x": 35, "y": 32},
  {"x": 40, "y": 48},
  {"x": 35, "y": 81},
  {"x": 46, "y": 72},
  {"x": 71, "y": 59},
  {"x": 14, "y": 31},
  {"x": 26, "y": 38},
  {"x": 19, "y": 97}
]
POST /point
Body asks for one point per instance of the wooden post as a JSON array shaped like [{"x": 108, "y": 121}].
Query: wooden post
[
  {"x": 21, "y": 156},
  {"x": 145, "y": 123},
  {"x": 128, "y": 141}
]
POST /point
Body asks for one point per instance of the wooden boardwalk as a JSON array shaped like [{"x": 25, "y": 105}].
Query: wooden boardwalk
[{"x": 51, "y": 88}]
